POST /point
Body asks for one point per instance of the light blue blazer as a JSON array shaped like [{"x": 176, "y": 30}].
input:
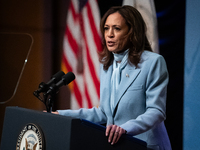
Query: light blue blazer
[{"x": 140, "y": 106}]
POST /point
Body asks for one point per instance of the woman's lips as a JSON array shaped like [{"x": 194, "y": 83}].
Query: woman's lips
[{"x": 110, "y": 43}]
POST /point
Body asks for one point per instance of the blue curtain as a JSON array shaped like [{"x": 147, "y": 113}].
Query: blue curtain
[{"x": 191, "y": 137}]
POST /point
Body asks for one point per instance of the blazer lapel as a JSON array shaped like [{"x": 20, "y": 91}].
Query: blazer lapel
[
  {"x": 105, "y": 93},
  {"x": 128, "y": 76}
]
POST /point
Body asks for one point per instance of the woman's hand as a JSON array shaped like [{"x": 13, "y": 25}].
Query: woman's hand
[
  {"x": 114, "y": 132},
  {"x": 53, "y": 112}
]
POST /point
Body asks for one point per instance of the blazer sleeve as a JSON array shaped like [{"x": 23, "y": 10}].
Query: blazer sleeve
[
  {"x": 156, "y": 90},
  {"x": 94, "y": 114}
]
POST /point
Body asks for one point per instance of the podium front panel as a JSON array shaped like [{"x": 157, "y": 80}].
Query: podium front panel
[{"x": 61, "y": 133}]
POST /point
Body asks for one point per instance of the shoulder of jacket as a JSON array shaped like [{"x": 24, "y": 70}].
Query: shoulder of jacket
[{"x": 147, "y": 55}]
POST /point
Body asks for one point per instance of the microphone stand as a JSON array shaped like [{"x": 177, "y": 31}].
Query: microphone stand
[
  {"x": 49, "y": 98},
  {"x": 49, "y": 102}
]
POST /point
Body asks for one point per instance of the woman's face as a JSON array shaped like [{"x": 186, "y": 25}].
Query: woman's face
[{"x": 115, "y": 28}]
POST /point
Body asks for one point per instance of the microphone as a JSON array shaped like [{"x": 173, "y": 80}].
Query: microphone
[
  {"x": 43, "y": 87},
  {"x": 66, "y": 79}
]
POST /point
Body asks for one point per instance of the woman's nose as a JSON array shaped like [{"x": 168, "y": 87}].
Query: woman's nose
[{"x": 111, "y": 33}]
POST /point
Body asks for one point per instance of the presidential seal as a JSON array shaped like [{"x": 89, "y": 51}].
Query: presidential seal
[{"x": 30, "y": 138}]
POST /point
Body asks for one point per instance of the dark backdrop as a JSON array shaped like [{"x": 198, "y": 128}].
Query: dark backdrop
[{"x": 171, "y": 29}]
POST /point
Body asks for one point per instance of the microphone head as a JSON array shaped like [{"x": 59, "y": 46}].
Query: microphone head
[
  {"x": 67, "y": 78},
  {"x": 57, "y": 77}
]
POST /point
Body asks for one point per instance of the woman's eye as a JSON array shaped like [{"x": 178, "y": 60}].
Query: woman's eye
[
  {"x": 105, "y": 28},
  {"x": 117, "y": 28}
]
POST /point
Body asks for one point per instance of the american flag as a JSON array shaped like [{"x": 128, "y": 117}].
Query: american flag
[{"x": 81, "y": 43}]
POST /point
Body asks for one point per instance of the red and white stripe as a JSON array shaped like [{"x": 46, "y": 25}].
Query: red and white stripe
[{"x": 82, "y": 32}]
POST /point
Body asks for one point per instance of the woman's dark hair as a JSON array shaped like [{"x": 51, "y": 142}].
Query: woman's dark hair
[{"x": 136, "y": 37}]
